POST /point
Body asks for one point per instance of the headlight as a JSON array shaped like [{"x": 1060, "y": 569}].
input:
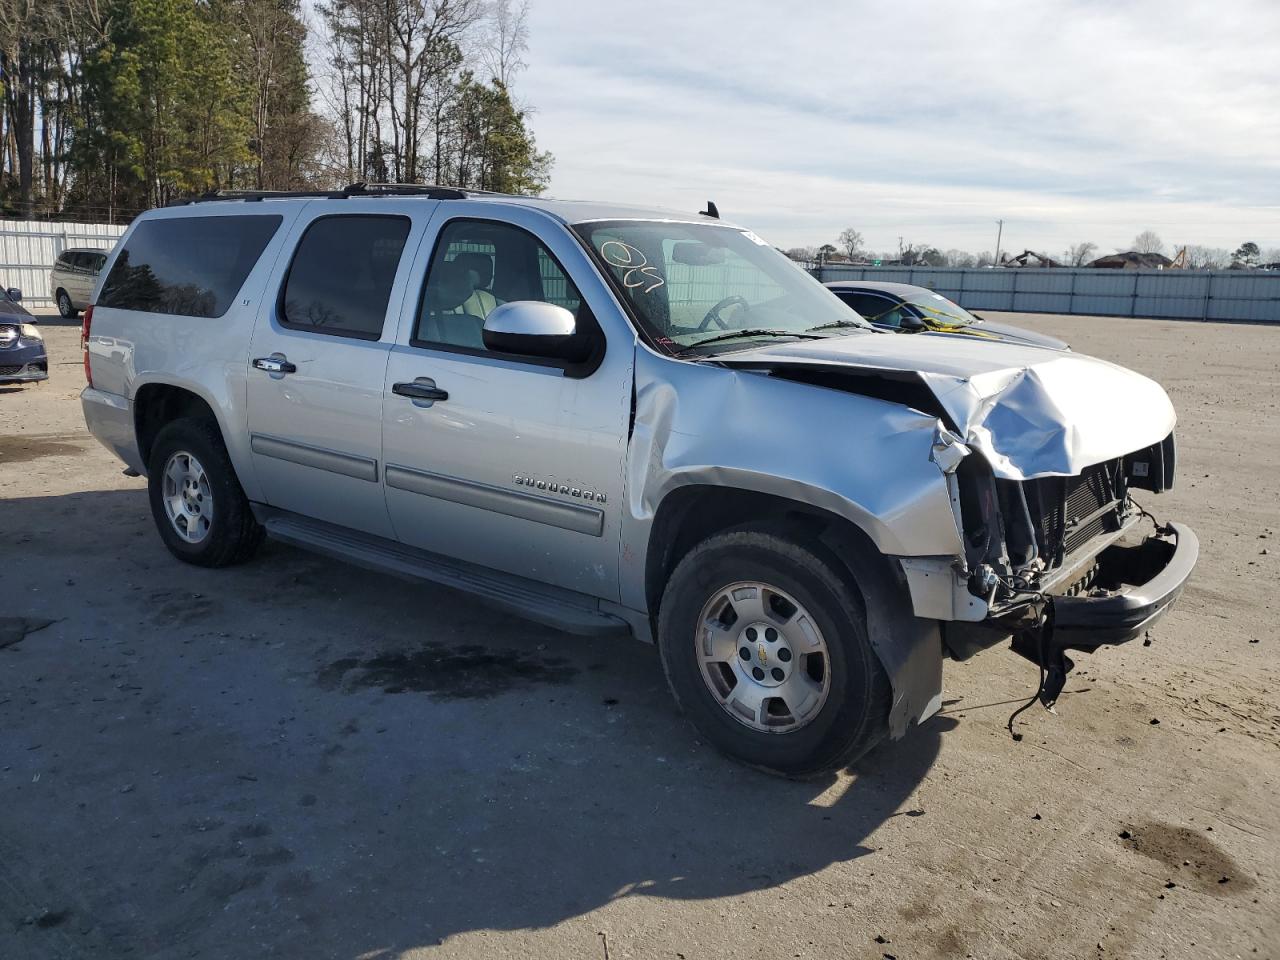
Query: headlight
[
  {"x": 8, "y": 335},
  {"x": 29, "y": 331}
]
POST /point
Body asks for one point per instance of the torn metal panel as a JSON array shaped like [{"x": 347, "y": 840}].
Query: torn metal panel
[{"x": 1031, "y": 412}]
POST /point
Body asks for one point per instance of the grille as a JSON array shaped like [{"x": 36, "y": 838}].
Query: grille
[
  {"x": 1063, "y": 508},
  {"x": 9, "y": 369}
]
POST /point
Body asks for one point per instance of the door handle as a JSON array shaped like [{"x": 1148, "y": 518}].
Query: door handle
[
  {"x": 420, "y": 389},
  {"x": 275, "y": 364}
]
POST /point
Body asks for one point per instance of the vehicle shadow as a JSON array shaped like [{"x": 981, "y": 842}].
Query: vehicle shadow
[
  {"x": 389, "y": 766},
  {"x": 701, "y": 831}
]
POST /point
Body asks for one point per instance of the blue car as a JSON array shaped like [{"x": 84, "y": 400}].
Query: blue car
[
  {"x": 906, "y": 308},
  {"x": 22, "y": 354}
]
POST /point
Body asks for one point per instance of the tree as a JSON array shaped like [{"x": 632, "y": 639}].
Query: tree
[
  {"x": 269, "y": 38},
  {"x": 985, "y": 259},
  {"x": 851, "y": 241},
  {"x": 959, "y": 258},
  {"x": 827, "y": 251},
  {"x": 1148, "y": 242},
  {"x": 506, "y": 41},
  {"x": 1079, "y": 254},
  {"x": 1206, "y": 258},
  {"x": 1247, "y": 254},
  {"x": 802, "y": 253}
]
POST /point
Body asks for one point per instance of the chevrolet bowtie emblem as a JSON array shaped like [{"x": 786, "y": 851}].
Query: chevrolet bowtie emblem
[{"x": 764, "y": 656}]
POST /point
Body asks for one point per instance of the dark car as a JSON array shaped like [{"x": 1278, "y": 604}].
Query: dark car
[
  {"x": 22, "y": 355},
  {"x": 905, "y": 308}
]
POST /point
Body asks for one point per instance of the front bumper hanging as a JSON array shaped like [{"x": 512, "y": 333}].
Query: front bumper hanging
[{"x": 1133, "y": 586}]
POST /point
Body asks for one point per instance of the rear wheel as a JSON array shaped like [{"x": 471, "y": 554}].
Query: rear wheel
[
  {"x": 765, "y": 646},
  {"x": 65, "y": 308},
  {"x": 196, "y": 501}
]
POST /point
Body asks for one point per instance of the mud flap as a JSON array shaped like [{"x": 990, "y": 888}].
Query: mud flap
[{"x": 908, "y": 647}]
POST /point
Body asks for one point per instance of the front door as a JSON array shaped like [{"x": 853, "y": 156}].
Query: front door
[
  {"x": 518, "y": 465},
  {"x": 319, "y": 357}
]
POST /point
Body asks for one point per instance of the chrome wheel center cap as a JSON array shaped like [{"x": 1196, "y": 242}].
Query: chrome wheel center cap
[{"x": 764, "y": 653}]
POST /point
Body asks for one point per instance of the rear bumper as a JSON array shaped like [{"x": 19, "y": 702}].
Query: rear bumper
[{"x": 110, "y": 419}]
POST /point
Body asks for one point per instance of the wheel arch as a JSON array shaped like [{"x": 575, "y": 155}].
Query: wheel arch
[
  {"x": 909, "y": 648},
  {"x": 158, "y": 402}
]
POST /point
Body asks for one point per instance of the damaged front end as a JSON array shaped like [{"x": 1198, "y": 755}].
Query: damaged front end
[
  {"x": 1042, "y": 452},
  {"x": 1068, "y": 562}
]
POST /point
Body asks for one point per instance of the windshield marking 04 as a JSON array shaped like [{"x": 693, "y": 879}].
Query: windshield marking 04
[{"x": 632, "y": 261}]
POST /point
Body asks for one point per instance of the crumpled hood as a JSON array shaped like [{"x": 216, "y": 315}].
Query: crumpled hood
[{"x": 1031, "y": 411}]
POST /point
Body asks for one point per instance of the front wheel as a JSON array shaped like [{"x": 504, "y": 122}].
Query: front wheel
[
  {"x": 764, "y": 643},
  {"x": 196, "y": 501}
]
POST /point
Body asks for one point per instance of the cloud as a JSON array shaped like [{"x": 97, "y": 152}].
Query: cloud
[{"x": 1070, "y": 120}]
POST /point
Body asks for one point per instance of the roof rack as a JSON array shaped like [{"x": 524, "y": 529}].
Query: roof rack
[{"x": 359, "y": 189}]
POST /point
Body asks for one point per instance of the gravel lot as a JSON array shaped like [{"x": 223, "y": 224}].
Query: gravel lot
[{"x": 296, "y": 758}]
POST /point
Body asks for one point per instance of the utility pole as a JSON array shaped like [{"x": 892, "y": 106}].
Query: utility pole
[{"x": 999, "y": 234}]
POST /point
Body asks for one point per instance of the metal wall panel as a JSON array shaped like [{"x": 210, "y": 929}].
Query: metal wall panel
[
  {"x": 1174, "y": 294},
  {"x": 28, "y": 249}
]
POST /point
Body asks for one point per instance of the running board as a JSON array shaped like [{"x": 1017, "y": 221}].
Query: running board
[{"x": 553, "y": 606}]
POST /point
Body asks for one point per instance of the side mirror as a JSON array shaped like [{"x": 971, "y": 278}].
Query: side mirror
[
  {"x": 14, "y": 294},
  {"x": 532, "y": 328},
  {"x": 911, "y": 322}
]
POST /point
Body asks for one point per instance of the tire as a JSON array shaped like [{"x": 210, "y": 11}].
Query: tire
[
  {"x": 213, "y": 526},
  {"x": 796, "y": 579},
  {"x": 65, "y": 308}
]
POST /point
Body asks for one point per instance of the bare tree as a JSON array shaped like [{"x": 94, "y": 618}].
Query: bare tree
[
  {"x": 1148, "y": 242},
  {"x": 1078, "y": 254},
  {"x": 506, "y": 40},
  {"x": 851, "y": 240}
]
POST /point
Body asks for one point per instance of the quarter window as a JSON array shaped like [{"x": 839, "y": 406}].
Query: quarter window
[
  {"x": 341, "y": 277},
  {"x": 477, "y": 266},
  {"x": 187, "y": 266}
]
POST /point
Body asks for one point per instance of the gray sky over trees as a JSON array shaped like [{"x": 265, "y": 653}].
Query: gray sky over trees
[{"x": 1070, "y": 120}]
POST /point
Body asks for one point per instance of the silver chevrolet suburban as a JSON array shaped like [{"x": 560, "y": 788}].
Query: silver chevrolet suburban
[{"x": 618, "y": 420}]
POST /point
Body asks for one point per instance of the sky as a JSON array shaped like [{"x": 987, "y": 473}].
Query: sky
[{"x": 1071, "y": 120}]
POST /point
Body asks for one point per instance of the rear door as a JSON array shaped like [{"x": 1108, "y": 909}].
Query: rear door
[
  {"x": 318, "y": 360},
  {"x": 520, "y": 467},
  {"x": 81, "y": 279}
]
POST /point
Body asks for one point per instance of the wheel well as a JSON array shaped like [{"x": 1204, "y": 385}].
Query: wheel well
[
  {"x": 689, "y": 515},
  {"x": 157, "y": 404}
]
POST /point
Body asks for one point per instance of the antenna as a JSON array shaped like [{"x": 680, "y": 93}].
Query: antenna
[{"x": 711, "y": 211}]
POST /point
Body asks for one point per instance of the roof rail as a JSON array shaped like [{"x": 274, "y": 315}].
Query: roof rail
[
  {"x": 359, "y": 189},
  {"x": 430, "y": 190}
]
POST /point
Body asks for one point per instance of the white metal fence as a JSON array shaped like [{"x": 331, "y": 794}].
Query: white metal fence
[
  {"x": 1233, "y": 295},
  {"x": 29, "y": 247}
]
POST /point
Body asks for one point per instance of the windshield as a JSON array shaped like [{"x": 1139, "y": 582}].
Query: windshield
[
  {"x": 690, "y": 282},
  {"x": 938, "y": 308}
]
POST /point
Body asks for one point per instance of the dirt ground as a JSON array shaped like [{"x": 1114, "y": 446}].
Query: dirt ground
[{"x": 296, "y": 758}]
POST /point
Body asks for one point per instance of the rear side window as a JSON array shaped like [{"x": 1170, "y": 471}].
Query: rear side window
[
  {"x": 191, "y": 266},
  {"x": 63, "y": 261},
  {"x": 341, "y": 277}
]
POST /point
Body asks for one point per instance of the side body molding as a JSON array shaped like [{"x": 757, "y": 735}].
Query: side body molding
[
  {"x": 569, "y": 516},
  {"x": 361, "y": 468}
]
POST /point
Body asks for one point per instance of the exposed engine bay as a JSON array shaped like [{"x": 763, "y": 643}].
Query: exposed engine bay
[{"x": 1024, "y": 538}]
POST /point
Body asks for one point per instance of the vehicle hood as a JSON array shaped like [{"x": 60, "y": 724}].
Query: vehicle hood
[
  {"x": 1031, "y": 411},
  {"x": 13, "y": 312},
  {"x": 1006, "y": 331}
]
